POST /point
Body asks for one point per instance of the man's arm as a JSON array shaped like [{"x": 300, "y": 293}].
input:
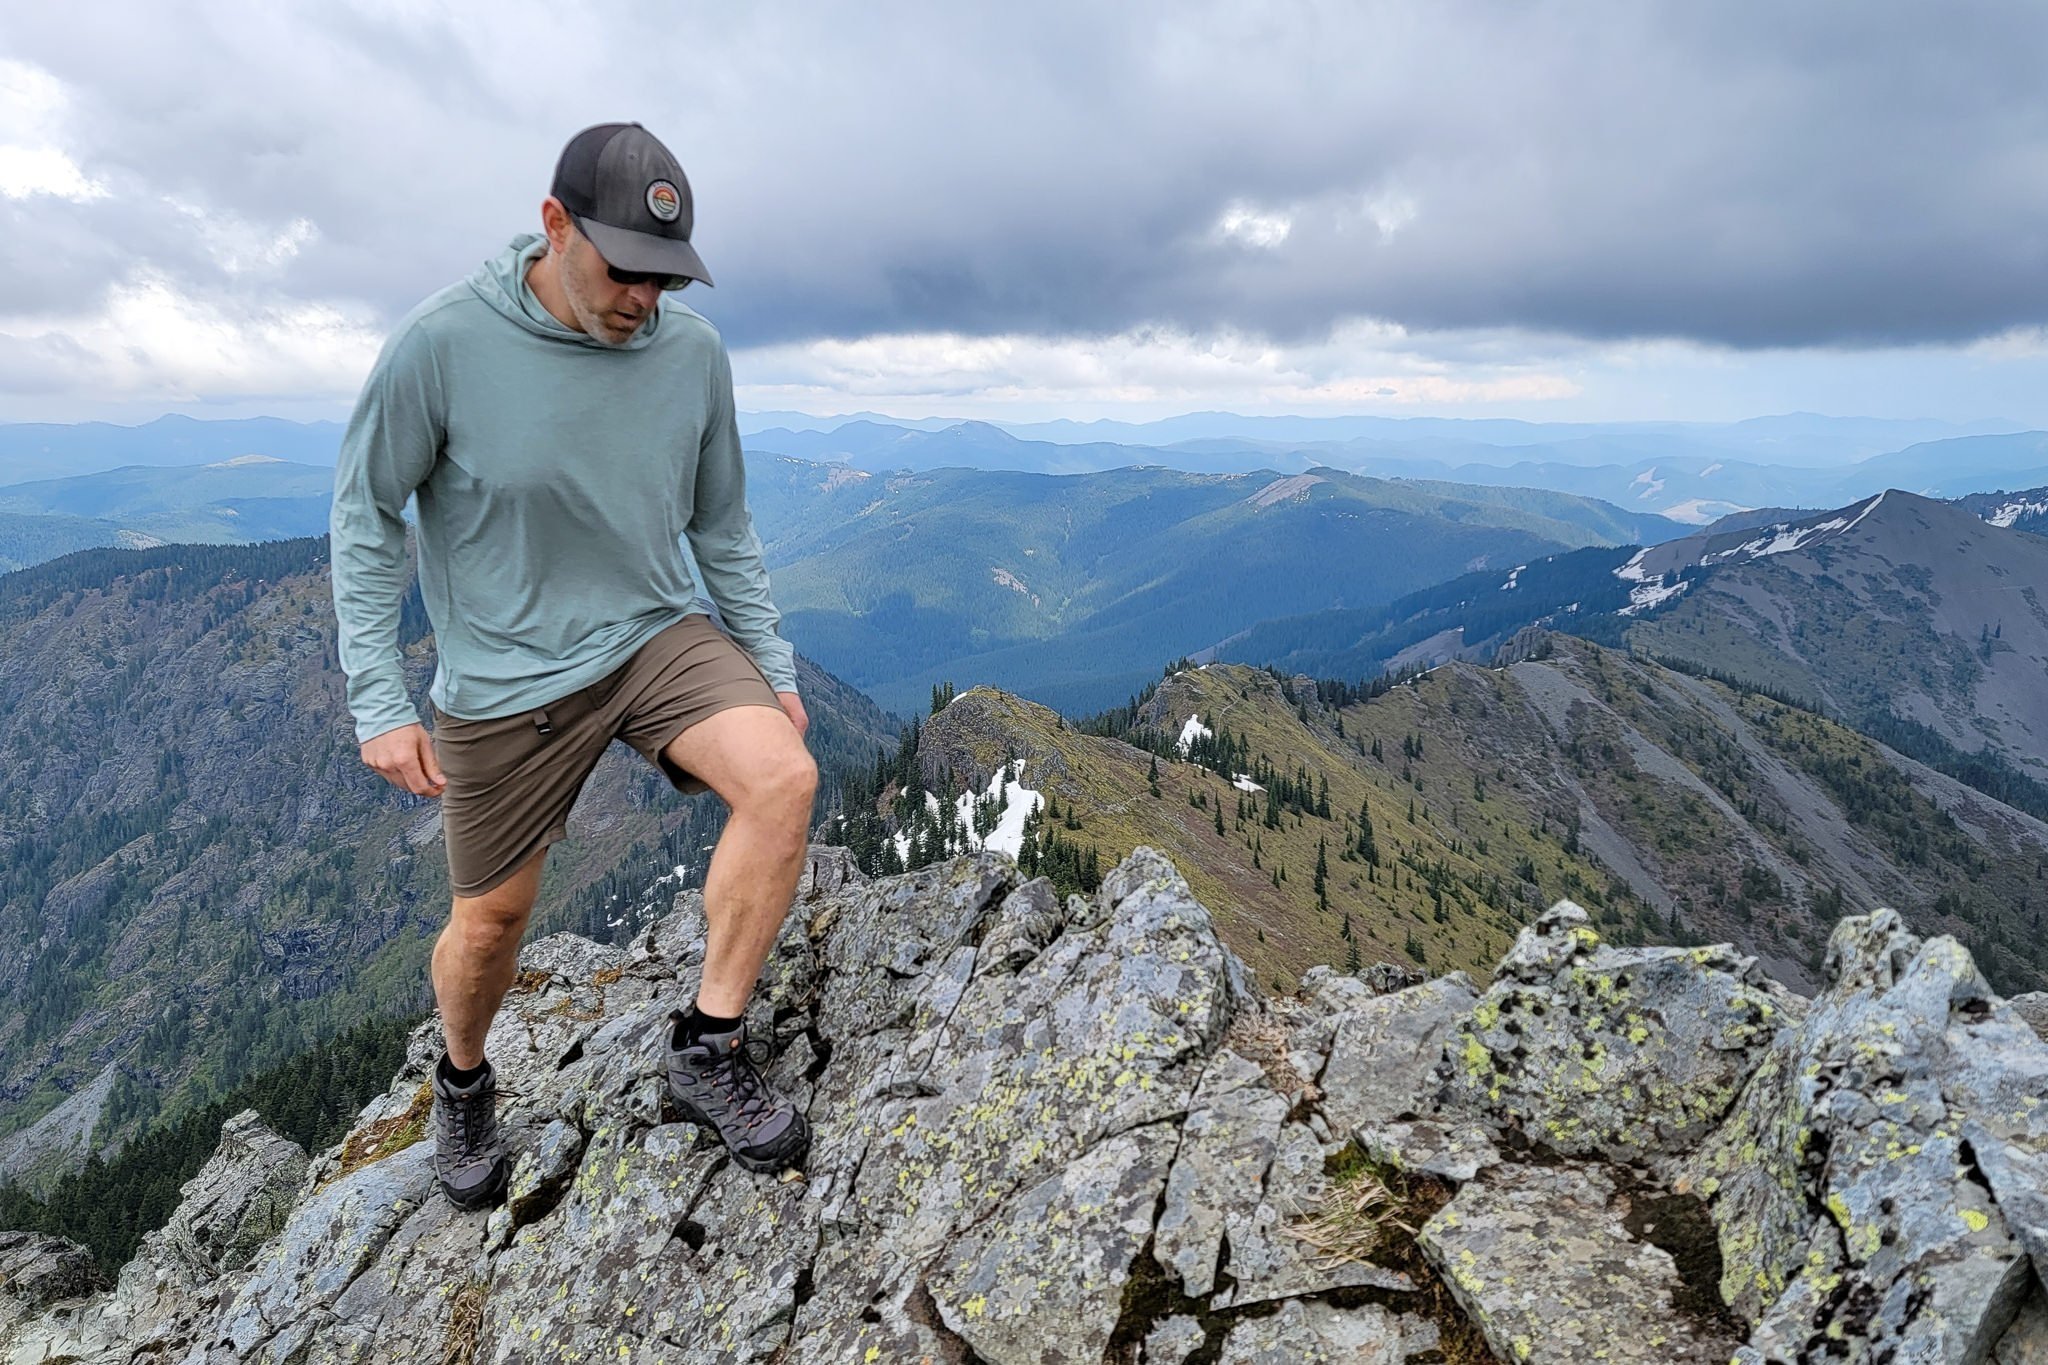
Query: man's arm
[
  {"x": 721, "y": 533},
  {"x": 392, "y": 441}
]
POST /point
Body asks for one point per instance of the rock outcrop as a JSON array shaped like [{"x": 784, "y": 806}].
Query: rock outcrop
[{"x": 1076, "y": 1132}]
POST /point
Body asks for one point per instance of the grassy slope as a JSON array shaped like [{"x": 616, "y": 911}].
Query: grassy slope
[{"x": 1748, "y": 820}]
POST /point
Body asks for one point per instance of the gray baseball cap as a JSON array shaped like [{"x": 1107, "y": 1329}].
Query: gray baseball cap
[{"x": 628, "y": 194}]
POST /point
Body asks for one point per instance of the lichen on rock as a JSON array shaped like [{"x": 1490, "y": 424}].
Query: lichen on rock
[{"x": 1075, "y": 1131}]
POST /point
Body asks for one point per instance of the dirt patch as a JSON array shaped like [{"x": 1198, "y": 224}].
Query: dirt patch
[{"x": 1680, "y": 1226}]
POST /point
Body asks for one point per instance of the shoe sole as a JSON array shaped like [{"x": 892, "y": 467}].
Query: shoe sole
[{"x": 760, "y": 1165}]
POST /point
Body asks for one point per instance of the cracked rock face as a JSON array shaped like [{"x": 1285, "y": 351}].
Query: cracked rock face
[
  {"x": 1879, "y": 1185},
  {"x": 185, "y": 1271},
  {"x": 1062, "y": 1133},
  {"x": 1542, "y": 1259}
]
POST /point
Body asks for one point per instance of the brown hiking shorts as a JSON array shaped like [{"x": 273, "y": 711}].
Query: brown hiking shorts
[{"x": 512, "y": 779}]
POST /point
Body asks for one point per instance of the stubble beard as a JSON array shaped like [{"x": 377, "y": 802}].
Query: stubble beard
[{"x": 595, "y": 322}]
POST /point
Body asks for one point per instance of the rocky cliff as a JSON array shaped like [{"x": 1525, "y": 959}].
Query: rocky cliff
[
  {"x": 198, "y": 876},
  {"x": 1078, "y": 1132}
]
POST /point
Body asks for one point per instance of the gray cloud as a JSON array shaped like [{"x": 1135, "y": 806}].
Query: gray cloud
[{"x": 1750, "y": 174}]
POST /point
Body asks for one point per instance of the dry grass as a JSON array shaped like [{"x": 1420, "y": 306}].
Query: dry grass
[
  {"x": 529, "y": 981},
  {"x": 1259, "y": 1038},
  {"x": 465, "y": 1323},
  {"x": 1373, "y": 1213},
  {"x": 386, "y": 1136},
  {"x": 1362, "y": 1216}
]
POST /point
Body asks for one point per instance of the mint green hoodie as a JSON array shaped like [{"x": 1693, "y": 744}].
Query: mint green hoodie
[{"x": 556, "y": 477}]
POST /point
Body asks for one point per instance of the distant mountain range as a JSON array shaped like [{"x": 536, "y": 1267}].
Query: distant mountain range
[
  {"x": 1915, "y": 620},
  {"x": 1896, "y": 611},
  {"x": 1067, "y": 588},
  {"x": 54, "y": 450},
  {"x": 1691, "y": 472},
  {"x": 238, "y": 500}
]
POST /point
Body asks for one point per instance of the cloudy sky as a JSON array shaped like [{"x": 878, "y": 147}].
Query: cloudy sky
[{"x": 1551, "y": 211}]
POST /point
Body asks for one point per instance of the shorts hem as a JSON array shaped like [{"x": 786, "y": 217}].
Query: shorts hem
[
  {"x": 497, "y": 879},
  {"x": 658, "y": 757}
]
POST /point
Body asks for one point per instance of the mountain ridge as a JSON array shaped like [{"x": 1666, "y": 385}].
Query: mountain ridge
[{"x": 1079, "y": 1131}]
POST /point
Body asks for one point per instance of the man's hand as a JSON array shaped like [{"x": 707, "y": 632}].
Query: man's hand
[
  {"x": 405, "y": 758},
  {"x": 794, "y": 705}
]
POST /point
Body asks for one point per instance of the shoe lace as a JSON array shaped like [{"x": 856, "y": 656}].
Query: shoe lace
[
  {"x": 734, "y": 1070},
  {"x": 470, "y": 1119}
]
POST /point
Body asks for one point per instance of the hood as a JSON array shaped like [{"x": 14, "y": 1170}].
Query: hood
[{"x": 501, "y": 282}]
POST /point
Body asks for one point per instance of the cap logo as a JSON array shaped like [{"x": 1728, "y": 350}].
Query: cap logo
[{"x": 663, "y": 201}]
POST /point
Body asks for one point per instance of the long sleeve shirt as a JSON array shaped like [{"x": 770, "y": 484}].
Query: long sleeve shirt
[{"x": 556, "y": 480}]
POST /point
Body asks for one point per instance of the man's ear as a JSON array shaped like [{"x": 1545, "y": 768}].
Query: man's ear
[{"x": 556, "y": 223}]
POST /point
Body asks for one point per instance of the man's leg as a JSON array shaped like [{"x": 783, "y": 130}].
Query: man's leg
[
  {"x": 476, "y": 958},
  {"x": 753, "y": 758}
]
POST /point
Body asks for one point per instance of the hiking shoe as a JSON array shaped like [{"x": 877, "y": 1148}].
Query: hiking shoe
[
  {"x": 468, "y": 1155},
  {"x": 715, "y": 1085}
]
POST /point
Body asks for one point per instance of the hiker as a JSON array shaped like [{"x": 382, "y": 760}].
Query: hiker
[{"x": 563, "y": 427}]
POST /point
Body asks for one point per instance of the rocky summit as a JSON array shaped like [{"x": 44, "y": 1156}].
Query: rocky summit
[{"x": 1077, "y": 1132}]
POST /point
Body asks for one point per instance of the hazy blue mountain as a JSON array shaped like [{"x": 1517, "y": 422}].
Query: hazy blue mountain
[
  {"x": 1800, "y": 438},
  {"x": 983, "y": 445},
  {"x": 1971, "y": 464},
  {"x": 43, "y": 450},
  {"x": 1068, "y": 588},
  {"x": 239, "y": 500},
  {"x": 30, "y": 538}
]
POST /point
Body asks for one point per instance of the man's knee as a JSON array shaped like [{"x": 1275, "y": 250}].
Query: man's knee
[
  {"x": 789, "y": 784},
  {"x": 502, "y": 911}
]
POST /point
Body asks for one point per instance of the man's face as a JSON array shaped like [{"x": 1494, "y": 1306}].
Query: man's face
[{"x": 607, "y": 311}]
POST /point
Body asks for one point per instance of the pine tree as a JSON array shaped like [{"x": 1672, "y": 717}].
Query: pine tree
[
  {"x": 1322, "y": 877},
  {"x": 1152, "y": 777},
  {"x": 1219, "y": 817}
]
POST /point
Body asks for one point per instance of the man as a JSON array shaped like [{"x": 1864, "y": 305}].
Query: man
[{"x": 563, "y": 429}]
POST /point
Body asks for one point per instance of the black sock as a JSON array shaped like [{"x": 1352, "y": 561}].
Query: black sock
[
  {"x": 460, "y": 1079},
  {"x": 697, "y": 1023}
]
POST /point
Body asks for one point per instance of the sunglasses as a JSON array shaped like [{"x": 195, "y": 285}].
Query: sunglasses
[{"x": 668, "y": 283}]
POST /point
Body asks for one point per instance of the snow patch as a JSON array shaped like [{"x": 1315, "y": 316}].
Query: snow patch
[
  {"x": 1701, "y": 511},
  {"x": 2005, "y": 516},
  {"x": 1513, "y": 574},
  {"x": 1652, "y": 594},
  {"x": 1243, "y": 782},
  {"x": 1008, "y": 835},
  {"x": 1784, "y": 538},
  {"x": 1189, "y": 733}
]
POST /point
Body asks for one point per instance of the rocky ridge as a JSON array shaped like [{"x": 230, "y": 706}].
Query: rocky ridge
[{"x": 1077, "y": 1132}]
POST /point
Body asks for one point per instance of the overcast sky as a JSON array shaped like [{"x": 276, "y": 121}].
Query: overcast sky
[{"x": 1569, "y": 211}]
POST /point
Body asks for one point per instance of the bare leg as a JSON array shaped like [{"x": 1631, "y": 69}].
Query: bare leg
[
  {"x": 477, "y": 957},
  {"x": 755, "y": 760}
]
